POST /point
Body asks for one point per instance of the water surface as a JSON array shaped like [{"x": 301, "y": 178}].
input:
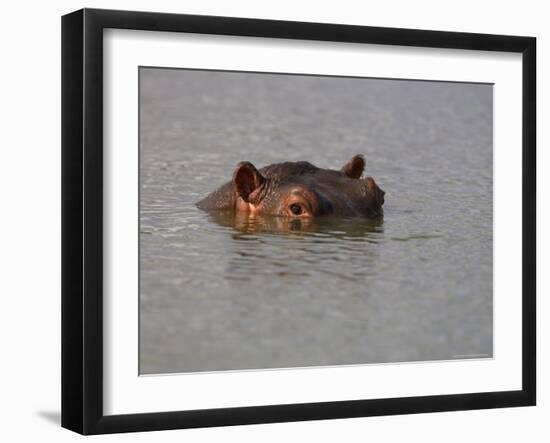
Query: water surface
[{"x": 219, "y": 292}]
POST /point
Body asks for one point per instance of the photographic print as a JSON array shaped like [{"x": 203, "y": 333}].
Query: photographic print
[
  {"x": 271, "y": 221},
  {"x": 302, "y": 221}
]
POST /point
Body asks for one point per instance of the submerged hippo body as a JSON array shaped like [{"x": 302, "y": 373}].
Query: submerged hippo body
[{"x": 299, "y": 190}]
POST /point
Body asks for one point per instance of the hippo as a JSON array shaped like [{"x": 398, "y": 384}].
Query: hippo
[
  {"x": 343, "y": 228},
  {"x": 299, "y": 190}
]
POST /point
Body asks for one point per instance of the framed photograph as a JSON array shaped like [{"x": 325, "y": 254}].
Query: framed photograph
[{"x": 269, "y": 221}]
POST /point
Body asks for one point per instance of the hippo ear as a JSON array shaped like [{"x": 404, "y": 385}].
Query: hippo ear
[
  {"x": 246, "y": 179},
  {"x": 355, "y": 167}
]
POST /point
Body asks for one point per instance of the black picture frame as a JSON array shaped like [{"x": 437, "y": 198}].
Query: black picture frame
[{"x": 82, "y": 220}]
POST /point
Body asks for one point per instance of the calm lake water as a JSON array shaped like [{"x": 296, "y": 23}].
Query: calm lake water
[{"x": 219, "y": 293}]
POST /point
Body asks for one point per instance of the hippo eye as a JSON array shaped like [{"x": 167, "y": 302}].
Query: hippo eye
[{"x": 296, "y": 209}]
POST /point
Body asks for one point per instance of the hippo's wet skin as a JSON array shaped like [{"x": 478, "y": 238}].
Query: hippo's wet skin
[
  {"x": 334, "y": 227},
  {"x": 299, "y": 190}
]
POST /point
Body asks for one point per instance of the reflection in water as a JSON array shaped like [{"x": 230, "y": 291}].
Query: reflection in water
[
  {"x": 330, "y": 226},
  {"x": 308, "y": 247}
]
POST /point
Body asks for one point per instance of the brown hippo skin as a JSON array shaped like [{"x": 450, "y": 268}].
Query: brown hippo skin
[{"x": 299, "y": 190}]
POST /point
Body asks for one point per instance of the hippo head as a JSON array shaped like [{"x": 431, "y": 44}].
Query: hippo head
[{"x": 300, "y": 190}]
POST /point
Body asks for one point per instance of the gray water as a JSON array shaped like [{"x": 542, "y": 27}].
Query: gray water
[{"x": 225, "y": 293}]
